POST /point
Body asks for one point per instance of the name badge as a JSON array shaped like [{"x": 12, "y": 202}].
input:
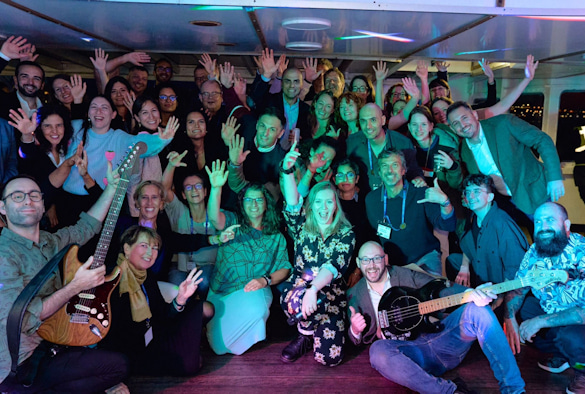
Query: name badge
[
  {"x": 148, "y": 337},
  {"x": 384, "y": 231},
  {"x": 428, "y": 173}
]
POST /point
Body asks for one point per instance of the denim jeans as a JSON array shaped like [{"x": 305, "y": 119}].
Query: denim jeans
[
  {"x": 416, "y": 364},
  {"x": 431, "y": 262}
]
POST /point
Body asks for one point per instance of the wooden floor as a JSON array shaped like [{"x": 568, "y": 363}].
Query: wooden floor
[{"x": 260, "y": 370}]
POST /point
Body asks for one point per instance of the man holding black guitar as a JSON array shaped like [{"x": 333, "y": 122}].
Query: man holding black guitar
[
  {"x": 413, "y": 362},
  {"x": 24, "y": 250}
]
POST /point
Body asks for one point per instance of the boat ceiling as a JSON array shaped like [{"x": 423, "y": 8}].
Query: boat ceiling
[{"x": 359, "y": 33}]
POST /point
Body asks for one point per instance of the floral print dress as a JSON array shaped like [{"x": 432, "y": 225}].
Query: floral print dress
[{"x": 313, "y": 253}]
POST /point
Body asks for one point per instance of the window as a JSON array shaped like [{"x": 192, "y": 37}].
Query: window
[
  {"x": 571, "y": 119},
  {"x": 529, "y": 107}
]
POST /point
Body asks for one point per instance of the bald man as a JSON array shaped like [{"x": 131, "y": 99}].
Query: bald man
[{"x": 417, "y": 364}]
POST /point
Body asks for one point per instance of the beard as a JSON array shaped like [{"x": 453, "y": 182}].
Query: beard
[
  {"x": 550, "y": 247},
  {"x": 22, "y": 90}
]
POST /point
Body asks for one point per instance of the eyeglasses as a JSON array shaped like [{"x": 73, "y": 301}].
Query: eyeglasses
[
  {"x": 248, "y": 200},
  {"x": 401, "y": 94},
  {"x": 473, "y": 192},
  {"x": 369, "y": 260},
  {"x": 164, "y": 97},
  {"x": 167, "y": 69},
  {"x": 340, "y": 176},
  {"x": 210, "y": 94},
  {"x": 197, "y": 186},
  {"x": 35, "y": 196},
  {"x": 360, "y": 89}
]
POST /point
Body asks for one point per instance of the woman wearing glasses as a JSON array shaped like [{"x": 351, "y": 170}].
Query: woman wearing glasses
[
  {"x": 363, "y": 87},
  {"x": 246, "y": 267},
  {"x": 168, "y": 101},
  {"x": 324, "y": 243}
]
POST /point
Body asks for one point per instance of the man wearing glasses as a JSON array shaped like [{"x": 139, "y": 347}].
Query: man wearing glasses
[
  {"x": 24, "y": 250},
  {"x": 493, "y": 245},
  {"x": 417, "y": 364}
]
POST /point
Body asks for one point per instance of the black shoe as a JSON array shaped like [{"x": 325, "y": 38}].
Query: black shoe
[
  {"x": 294, "y": 350},
  {"x": 462, "y": 387},
  {"x": 577, "y": 385}
]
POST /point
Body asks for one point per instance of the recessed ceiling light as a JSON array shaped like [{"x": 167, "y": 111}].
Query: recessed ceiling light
[
  {"x": 226, "y": 44},
  {"x": 205, "y": 23},
  {"x": 303, "y": 46},
  {"x": 87, "y": 39},
  {"x": 306, "y": 23}
]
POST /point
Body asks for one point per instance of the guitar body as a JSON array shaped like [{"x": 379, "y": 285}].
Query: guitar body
[
  {"x": 86, "y": 318},
  {"x": 399, "y": 315}
]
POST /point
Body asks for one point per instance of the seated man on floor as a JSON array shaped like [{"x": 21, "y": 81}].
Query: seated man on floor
[
  {"x": 417, "y": 364},
  {"x": 24, "y": 250},
  {"x": 493, "y": 245},
  {"x": 552, "y": 318}
]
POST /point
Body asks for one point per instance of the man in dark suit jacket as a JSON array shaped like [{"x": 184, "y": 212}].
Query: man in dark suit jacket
[
  {"x": 287, "y": 101},
  {"x": 502, "y": 148},
  {"x": 417, "y": 364}
]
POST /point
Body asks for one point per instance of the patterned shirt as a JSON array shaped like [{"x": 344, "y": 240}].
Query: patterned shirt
[
  {"x": 250, "y": 255},
  {"x": 558, "y": 297},
  {"x": 20, "y": 260}
]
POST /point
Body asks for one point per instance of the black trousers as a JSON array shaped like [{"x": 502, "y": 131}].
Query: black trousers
[{"x": 73, "y": 370}]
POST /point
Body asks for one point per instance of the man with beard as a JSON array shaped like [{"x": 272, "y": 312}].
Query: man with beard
[
  {"x": 417, "y": 364},
  {"x": 404, "y": 216},
  {"x": 552, "y": 318},
  {"x": 29, "y": 77}
]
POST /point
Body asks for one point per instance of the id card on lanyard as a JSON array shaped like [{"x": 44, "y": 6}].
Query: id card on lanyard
[
  {"x": 385, "y": 227},
  {"x": 148, "y": 335}
]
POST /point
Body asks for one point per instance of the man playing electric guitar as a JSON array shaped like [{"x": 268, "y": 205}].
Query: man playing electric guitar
[
  {"x": 418, "y": 364},
  {"x": 24, "y": 250}
]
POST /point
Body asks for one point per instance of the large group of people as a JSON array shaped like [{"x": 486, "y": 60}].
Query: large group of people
[{"x": 299, "y": 187}]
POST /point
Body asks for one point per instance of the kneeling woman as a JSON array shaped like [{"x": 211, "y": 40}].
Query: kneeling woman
[
  {"x": 159, "y": 338},
  {"x": 245, "y": 267},
  {"x": 324, "y": 244}
]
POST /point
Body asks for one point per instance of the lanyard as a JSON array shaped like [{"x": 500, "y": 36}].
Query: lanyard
[
  {"x": 370, "y": 155},
  {"x": 146, "y": 295},
  {"x": 206, "y": 223},
  {"x": 404, "y": 192}
]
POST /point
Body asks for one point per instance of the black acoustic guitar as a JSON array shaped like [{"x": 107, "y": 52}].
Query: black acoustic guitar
[
  {"x": 85, "y": 319},
  {"x": 404, "y": 312}
]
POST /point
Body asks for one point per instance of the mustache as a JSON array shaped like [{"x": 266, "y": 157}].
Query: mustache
[{"x": 542, "y": 232}]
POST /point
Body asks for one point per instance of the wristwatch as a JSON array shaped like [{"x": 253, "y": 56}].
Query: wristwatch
[
  {"x": 268, "y": 280},
  {"x": 289, "y": 171}
]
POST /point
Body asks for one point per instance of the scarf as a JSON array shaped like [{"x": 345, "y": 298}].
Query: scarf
[{"x": 130, "y": 283}]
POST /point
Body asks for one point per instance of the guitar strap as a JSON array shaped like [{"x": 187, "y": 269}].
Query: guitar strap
[{"x": 16, "y": 314}]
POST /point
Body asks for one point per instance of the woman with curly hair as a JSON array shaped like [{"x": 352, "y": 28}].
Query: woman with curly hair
[{"x": 246, "y": 267}]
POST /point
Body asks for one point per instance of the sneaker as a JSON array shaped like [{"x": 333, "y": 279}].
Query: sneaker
[
  {"x": 577, "y": 385},
  {"x": 298, "y": 347},
  {"x": 461, "y": 387},
  {"x": 554, "y": 364}
]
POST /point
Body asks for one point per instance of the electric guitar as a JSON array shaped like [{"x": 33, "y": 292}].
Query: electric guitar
[
  {"x": 85, "y": 319},
  {"x": 403, "y": 312}
]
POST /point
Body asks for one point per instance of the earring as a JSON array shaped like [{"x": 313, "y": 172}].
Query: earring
[{"x": 89, "y": 122}]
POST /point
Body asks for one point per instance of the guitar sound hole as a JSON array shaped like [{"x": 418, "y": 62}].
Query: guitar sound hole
[{"x": 404, "y": 313}]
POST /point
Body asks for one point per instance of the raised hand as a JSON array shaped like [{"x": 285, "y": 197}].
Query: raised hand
[
  {"x": 188, "y": 287},
  {"x": 310, "y": 66},
  {"x": 442, "y": 66},
  {"x": 380, "y": 70},
  {"x": 283, "y": 65},
  {"x": 209, "y": 64},
  {"x": 15, "y": 47},
  {"x": 228, "y": 129},
  {"x": 236, "y": 150},
  {"x": 434, "y": 195},
  {"x": 240, "y": 85},
  {"x": 218, "y": 174},
  {"x": 226, "y": 75},
  {"x": 78, "y": 88},
  {"x": 100, "y": 60},
  {"x": 129, "y": 99},
  {"x": 411, "y": 88},
  {"x": 171, "y": 129},
  {"x": 175, "y": 158},
  {"x": 316, "y": 161},
  {"x": 422, "y": 70},
  {"x": 22, "y": 123},
  {"x": 291, "y": 157},
  {"x": 555, "y": 190},
  {"x": 531, "y": 66},
  {"x": 258, "y": 64},
  {"x": 268, "y": 65},
  {"x": 138, "y": 58},
  {"x": 487, "y": 70},
  {"x": 443, "y": 160}
]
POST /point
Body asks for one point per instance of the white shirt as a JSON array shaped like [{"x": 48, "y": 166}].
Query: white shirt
[
  {"x": 25, "y": 107},
  {"x": 485, "y": 162}
]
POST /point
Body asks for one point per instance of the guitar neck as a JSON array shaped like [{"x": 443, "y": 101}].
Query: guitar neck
[
  {"x": 463, "y": 298},
  {"x": 103, "y": 245}
]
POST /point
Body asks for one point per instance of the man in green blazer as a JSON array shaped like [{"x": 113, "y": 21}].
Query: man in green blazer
[{"x": 501, "y": 147}]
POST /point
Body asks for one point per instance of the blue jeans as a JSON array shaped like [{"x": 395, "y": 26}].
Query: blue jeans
[
  {"x": 431, "y": 262},
  {"x": 416, "y": 364}
]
